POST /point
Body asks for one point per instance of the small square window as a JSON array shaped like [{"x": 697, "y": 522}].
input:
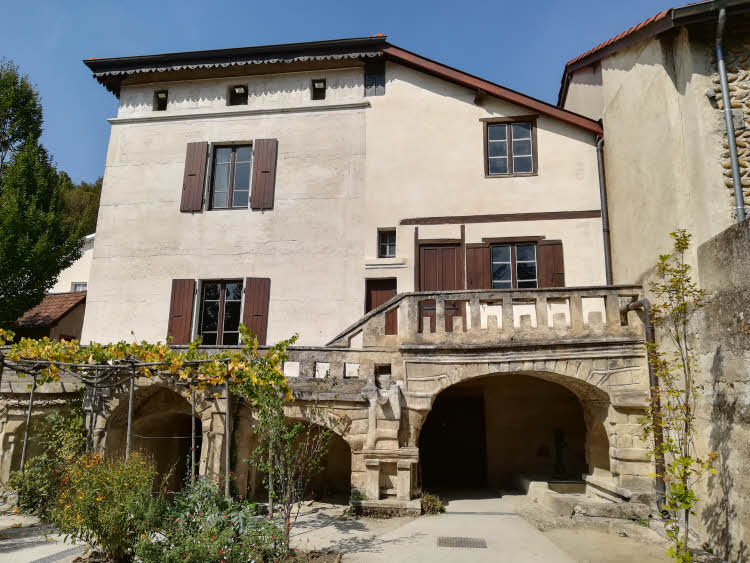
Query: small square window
[
  {"x": 79, "y": 286},
  {"x": 161, "y": 97},
  {"x": 387, "y": 244},
  {"x": 510, "y": 148},
  {"x": 238, "y": 95},
  {"x": 319, "y": 89}
]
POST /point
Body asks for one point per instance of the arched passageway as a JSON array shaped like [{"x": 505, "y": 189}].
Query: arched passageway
[
  {"x": 162, "y": 427},
  {"x": 494, "y": 431}
]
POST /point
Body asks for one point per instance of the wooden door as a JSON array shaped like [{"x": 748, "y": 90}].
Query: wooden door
[
  {"x": 377, "y": 292},
  {"x": 440, "y": 269}
]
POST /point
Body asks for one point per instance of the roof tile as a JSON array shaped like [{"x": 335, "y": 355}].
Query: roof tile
[{"x": 52, "y": 308}]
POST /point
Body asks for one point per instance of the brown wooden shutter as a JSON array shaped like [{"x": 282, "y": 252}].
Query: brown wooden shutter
[
  {"x": 181, "y": 311},
  {"x": 549, "y": 257},
  {"x": 195, "y": 176},
  {"x": 264, "y": 173},
  {"x": 255, "y": 313},
  {"x": 478, "y": 267}
]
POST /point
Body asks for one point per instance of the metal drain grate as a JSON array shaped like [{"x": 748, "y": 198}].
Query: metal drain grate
[{"x": 447, "y": 541}]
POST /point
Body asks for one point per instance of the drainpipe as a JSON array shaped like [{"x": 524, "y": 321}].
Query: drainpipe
[
  {"x": 653, "y": 382},
  {"x": 605, "y": 214},
  {"x": 739, "y": 198}
]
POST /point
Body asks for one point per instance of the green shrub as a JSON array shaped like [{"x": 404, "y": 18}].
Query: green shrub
[
  {"x": 109, "y": 503},
  {"x": 202, "y": 525},
  {"x": 358, "y": 495},
  {"x": 432, "y": 504},
  {"x": 61, "y": 438}
]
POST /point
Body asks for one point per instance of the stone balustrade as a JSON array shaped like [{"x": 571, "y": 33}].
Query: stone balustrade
[{"x": 490, "y": 316}]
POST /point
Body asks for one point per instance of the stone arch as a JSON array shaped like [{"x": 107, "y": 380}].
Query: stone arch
[
  {"x": 161, "y": 429},
  {"x": 592, "y": 405}
]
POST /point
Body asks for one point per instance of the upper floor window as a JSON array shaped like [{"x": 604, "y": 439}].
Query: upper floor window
[
  {"x": 386, "y": 244},
  {"x": 220, "y": 312},
  {"x": 510, "y": 148},
  {"x": 238, "y": 95},
  {"x": 319, "y": 89},
  {"x": 79, "y": 286},
  {"x": 231, "y": 177},
  {"x": 513, "y": 265},
  {"x": 161, "y": 97}
]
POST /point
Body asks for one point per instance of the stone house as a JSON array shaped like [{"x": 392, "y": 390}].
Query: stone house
[
  {"x": 435, "y": 239},
  {"x": 667, "y": 155}
]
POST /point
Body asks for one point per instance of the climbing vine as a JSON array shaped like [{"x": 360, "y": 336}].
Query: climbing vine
[
  {"x": 198, "y": 369},
  {"x": 672, "y": 410}
]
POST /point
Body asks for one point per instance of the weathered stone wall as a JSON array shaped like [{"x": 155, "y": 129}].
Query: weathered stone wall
[
  {"x": 722, "y": 341},
  {"x": 737, "y": 59}
]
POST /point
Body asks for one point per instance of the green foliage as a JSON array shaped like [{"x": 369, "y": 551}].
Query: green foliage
[
  {"x": 109, "y": 503},
  {"x": 432, "y": 504},
  {"x": 36, "y": 243},
  {"x": 81, "y": 203},
  {"x": 61, "y": 438},
  {"x": 670, "y": 423},
  {"x": 20, "y": 111},
  {"x": 358, "y": 495},
  {"x": 202, "y": 525}
]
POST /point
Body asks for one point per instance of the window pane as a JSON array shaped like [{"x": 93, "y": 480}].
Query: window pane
[
  {"x": 231, "y": 339},
  {"x": 223, "y": 154},
  {"x": 501, "y": 253},
  {"x": 242, "y": 176},
  {"x": 209, "y": 338},
  {"x": 234, "y": 291},
  {"x": 521, "y": 130},
  {"x": 221, "y": 177},
  {"x": 496, "y": 132},
  {"x": 220, "y": 199},
  {"x": 525, "y": 252},
  {"x": 243, "y": 154},
  {"x": 526, "y": 270},
  {"x": 500, "y": 284},
  {"x": 211, "y": 291},
  {"x": 498, "y": 148},
  {"x": 210, "y": 316},
  {"x": 521, "y": 148},
  {"x": 527, "y": 284},
  {"x": 498, "y": 166},
  {"x": 387, "y": 243},
  {"x": 522, "y": 164},
  {"x": 239, "y": 198},
  {"x": 231, "y": 315},
  {"x": 501, "y": 272}
]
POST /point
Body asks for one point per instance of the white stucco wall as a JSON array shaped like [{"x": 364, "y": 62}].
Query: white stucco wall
[
  {"x": 585, "y": 92},
  {"x": 79, "y": 271},
  {"x": 662, "y": 151},
  {"x": 347, "y": 165}
]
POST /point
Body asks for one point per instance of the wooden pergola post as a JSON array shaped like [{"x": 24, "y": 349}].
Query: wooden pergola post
[{"x": 28, "y": 425}]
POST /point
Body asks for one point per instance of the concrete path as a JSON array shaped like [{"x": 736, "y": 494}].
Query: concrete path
[
  {"x": 24, "y": 540},
  {"x": 508, "y": 537}
]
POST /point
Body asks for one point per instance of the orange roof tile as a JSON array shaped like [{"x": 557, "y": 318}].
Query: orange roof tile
[{"x": 52, "y": 308}]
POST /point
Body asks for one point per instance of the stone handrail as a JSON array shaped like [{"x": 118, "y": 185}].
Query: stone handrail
[{"x": 482, "y": 316}]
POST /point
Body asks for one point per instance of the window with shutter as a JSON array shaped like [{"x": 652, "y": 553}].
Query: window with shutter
[
  {"x": 194, "y": 178},
  {"x": 551, "y": 263},
  {"x": 264, "y": 173}
]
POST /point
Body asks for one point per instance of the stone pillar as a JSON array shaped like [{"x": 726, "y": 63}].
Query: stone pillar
[
  {"x": 372, "y": 467},
  {"x": 403, "y": 491}
]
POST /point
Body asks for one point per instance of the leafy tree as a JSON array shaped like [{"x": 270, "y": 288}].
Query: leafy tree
[
  {"x": 81, "y": 202},
  {"x": 672, "y": 410},
  {"x": 36, "y": 240},
  {"x": 20, "y": 111}
]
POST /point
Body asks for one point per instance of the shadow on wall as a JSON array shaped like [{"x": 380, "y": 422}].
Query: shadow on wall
[{"x": 720, "y": 513}]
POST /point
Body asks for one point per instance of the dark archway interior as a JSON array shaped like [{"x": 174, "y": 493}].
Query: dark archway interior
[
  {"x": 334, "y": 481},
  {"x": 161, "y": 430},
  {"x": 493, "y": 431}
]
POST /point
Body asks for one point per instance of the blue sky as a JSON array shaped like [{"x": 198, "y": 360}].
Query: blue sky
[{"x": 521, "y": 45}]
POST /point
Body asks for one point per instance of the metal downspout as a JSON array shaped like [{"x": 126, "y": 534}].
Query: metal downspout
[
  {"x": 653, "y": 383},
  {"x": 605, "y": 214},
  {"x": 739, "y": 198}
]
